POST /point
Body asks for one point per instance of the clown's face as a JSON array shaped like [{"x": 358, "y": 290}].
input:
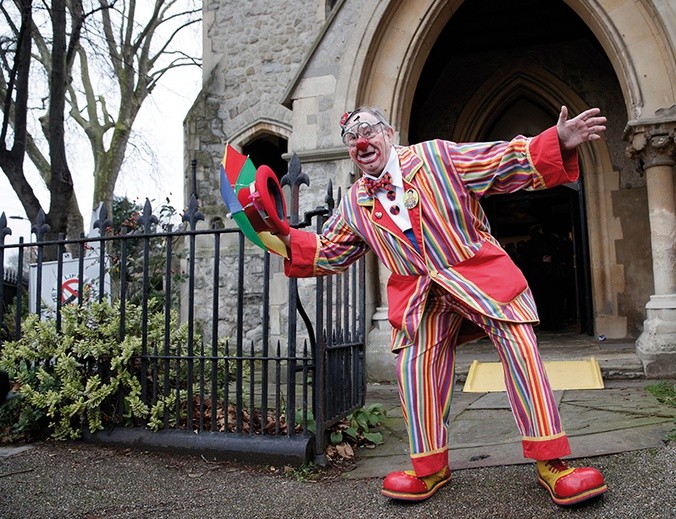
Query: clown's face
[{"x": 369, "y": 142}]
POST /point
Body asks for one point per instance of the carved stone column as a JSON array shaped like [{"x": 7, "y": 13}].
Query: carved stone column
[{"x": 652, "y": 144}]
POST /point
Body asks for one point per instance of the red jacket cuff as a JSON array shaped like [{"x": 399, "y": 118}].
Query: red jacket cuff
[
  {"x": 303, "y": 250},
  {"x": 554, "y": 164}
]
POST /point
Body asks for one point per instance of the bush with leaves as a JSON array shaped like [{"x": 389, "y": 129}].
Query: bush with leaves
[
  {"x": 83, "y": 375},
  {"x": 356, "y": 430},
  {"x": 127, "y": 215}
]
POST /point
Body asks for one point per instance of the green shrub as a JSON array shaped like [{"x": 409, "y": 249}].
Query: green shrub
[
  {"x": 84, "y": 375},
  {"x": 358, "y": 426}
]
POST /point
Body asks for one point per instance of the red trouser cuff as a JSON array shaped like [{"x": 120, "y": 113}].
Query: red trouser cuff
[
  {"x": 429, "y": 464},
  {"x": 546, "y": 448}
]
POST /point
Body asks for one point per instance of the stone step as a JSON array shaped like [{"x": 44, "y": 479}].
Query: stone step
[{"x": 617, "y": 358}]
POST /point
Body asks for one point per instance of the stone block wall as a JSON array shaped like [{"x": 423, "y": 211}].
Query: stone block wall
[{"x": 252, "y": 50}]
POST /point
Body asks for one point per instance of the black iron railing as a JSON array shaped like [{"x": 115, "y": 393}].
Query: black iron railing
[{"x": 248, "y": 398}]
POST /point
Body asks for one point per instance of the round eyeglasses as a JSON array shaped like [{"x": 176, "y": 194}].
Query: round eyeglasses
[{"x": 362, "y": 129}]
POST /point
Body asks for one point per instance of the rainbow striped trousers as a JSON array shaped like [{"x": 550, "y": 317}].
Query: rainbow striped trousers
[{"x": 425, "y": 373}]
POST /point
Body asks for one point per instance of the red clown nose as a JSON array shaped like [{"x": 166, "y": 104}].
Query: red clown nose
[{"x": 362, "y": 143}]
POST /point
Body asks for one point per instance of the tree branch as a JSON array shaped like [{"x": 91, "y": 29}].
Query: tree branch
[
  {"x": 163, "y": 49},
  {"x": 116, "y": 58},
  {"x": 109, "y": 31},
  {"x": 19, "y": 78}
]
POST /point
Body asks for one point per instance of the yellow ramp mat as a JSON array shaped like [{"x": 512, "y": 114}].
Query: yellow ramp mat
[{"x": 485, "y": 377}]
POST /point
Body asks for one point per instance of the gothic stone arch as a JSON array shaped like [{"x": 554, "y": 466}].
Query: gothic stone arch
[
  {"x": 387, "y": 45},
  {"x": 397, "y": 39}
]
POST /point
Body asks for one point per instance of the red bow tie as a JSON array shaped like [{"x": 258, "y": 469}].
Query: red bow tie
[{"x": 373, "y": 185}]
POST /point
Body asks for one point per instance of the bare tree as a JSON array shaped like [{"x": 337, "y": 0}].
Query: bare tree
[
  {"x": 103, "y": 59},
  {"x": 15, "y": 104}
]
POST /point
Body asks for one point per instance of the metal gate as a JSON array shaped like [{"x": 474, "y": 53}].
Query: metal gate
[
  {"x": 249, "y": 399},
  {"x": 340, "y": 384}
]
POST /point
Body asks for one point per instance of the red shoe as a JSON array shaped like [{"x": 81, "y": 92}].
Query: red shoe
[
  {"x": 405, "y": 485},
  {"x": 568, "y": 486}
]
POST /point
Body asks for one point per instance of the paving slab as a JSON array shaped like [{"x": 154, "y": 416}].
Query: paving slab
[
  {"x": 622, "y": 417},
  {"x": 499, "y": 400},
  {"x": 619, "y": 440},
  {"x": 7, "y": 451}
]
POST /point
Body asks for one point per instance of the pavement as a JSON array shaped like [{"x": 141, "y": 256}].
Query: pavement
[
  {"x": 620, "y": 429},
  {"x": 621, "y": 417}
]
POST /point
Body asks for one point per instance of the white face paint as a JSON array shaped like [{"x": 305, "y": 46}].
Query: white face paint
[{"x": 371, "y": 153}]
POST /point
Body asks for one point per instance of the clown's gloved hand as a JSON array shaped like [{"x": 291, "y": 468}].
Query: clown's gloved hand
[{"x": 275, "y": 243}]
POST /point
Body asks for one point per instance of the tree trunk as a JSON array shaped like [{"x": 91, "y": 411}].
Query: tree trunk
[
  {"x": 61, "y": 186},
  {"x": 11, "y": 161}
]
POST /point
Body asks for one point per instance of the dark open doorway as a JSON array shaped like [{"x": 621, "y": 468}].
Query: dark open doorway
[
  {"x": 543, "y": 233},
  {"x": 268, "y": 149},
  {"x": 465, "y": 59}
]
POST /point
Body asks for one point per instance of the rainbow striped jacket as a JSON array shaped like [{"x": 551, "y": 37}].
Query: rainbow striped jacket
[{"x": 459, "y": 254}]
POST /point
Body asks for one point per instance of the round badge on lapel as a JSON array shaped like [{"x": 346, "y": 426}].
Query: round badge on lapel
[{"x": 411, "y": 198}]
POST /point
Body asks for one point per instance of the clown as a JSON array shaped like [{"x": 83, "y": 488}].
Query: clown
[{"x": 417, "y": 208}]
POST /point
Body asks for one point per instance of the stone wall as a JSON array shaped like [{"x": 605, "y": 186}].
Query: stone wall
[{"x": 252, "y": 50}]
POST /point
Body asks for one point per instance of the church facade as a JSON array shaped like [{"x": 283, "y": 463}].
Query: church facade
[{"x": 277, "y": 78}]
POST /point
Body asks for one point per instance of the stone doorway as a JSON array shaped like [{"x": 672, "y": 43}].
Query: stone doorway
[
  {"x": 481, "y": 82},
  {"x": 268, "y": 149},
  {"x": 545, "y": 235}
]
